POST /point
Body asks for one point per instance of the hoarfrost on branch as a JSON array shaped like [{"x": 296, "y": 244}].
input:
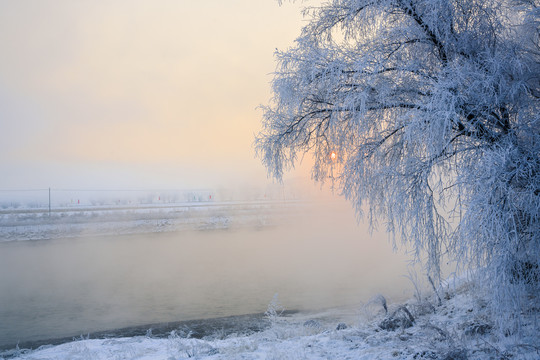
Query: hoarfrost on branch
[{"x": 433, "y": 110}]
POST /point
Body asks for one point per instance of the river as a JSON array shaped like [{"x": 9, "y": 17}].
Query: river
[{"x": 71, "y": 287}]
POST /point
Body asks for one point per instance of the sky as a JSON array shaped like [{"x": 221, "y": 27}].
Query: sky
[{"x": 136, "y": 93}]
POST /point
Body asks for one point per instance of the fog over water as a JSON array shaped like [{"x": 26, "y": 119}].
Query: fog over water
[
  {"x": 318, "y": 259},
  {"x": 119, "y": 95}
]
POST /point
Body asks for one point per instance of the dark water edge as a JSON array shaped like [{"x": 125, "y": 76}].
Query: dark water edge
[{"x": 220, "y": 327}]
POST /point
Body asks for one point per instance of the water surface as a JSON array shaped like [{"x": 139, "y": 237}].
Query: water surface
[{"x": 68, "y": 287}]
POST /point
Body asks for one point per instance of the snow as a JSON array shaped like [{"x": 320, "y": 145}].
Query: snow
[
  {"x": 74, "y": 221},
  {"x": 460, "y": 328}
]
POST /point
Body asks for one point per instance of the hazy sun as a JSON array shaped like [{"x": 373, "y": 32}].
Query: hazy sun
[{"x": 333, "y": 155}]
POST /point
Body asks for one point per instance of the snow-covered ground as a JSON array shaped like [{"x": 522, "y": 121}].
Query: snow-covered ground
[
  {"x": 458, "y": 328},
  {"x": 74, "y": 221}
]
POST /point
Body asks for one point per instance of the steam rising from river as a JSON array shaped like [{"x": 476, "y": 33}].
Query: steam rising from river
[{"x": 320, "y": 258}]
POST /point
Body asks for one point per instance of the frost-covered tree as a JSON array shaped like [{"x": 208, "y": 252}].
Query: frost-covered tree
[{"x": 427, "y": 113}]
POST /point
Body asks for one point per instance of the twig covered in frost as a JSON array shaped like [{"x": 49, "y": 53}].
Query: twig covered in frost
[
  {"x": 428, "y": 111},
  {"x": 413, "y": 277},
  {"x": 379, "y": 299},
  {"x": 439, "y": 301}
]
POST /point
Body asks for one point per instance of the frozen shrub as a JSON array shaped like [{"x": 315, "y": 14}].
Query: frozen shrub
[
  {"x": 312, "y": 324},
  {"x": 401, "y": 318},
  {"x": 275, "y": 309}
]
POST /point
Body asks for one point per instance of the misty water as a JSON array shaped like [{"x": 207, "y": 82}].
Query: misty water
[{"x": 71, "y": 287}]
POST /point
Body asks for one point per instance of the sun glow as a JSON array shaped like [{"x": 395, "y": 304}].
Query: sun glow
[{"x": 333, "y": 156}]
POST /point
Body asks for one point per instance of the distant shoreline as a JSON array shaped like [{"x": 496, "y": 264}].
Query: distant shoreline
[{"x": 70, "y": 222}]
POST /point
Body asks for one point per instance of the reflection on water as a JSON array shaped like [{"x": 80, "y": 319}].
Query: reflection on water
[{"x": 70, "y": 287}]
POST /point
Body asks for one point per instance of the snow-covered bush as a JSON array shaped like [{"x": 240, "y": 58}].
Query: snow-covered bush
[
  {"x": 427, "y": 111},
  {"x": 274, "y": 309}
]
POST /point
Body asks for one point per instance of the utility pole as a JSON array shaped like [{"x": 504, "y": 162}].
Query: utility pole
[{"x": 49, "y": 201}]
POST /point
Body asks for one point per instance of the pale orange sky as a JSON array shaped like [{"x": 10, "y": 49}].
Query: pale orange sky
[{"x": 136, "y": 93}]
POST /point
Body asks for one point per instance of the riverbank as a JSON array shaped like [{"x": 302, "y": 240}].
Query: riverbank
[
  {"x": 77, "y": 221},
  {"x": 458, "y": 328}
]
